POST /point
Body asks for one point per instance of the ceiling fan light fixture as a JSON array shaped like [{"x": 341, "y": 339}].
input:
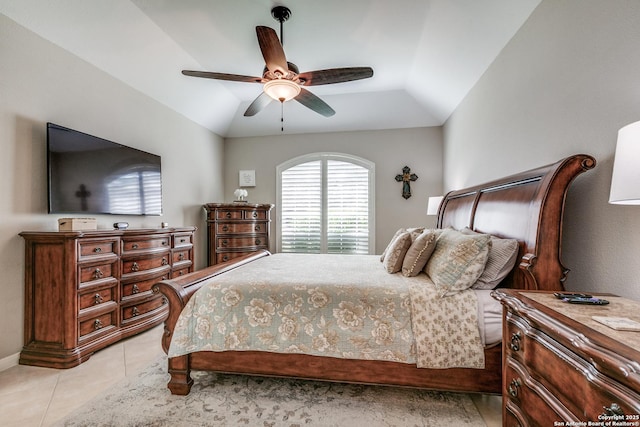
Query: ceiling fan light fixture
[{"x": 281, "y": 89}]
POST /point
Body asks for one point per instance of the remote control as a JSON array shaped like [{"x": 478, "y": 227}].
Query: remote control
[{"x": 581, "y": 300}]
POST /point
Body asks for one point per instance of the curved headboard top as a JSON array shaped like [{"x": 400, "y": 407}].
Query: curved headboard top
[{"x": 528, "y": 207}]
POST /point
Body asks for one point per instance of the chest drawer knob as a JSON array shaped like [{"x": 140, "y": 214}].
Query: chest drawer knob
[
  {"x": 97, "y": 324},
  {"x": 228, "y": 215},
  {"x": 254, "y": 214},
  {"x": 134, "y": 246},
  {"x": 98, "y": 274},
  {"x": 180, "y": 257},
  {"x": 135, "y": 312},
  {"x": 98, "y": 299},
  {"x": 225, "y": 258},
  {"x": 224, "y": 242},
  {"x": 135, "y": 289},
  {"x": 258, "y": 241},
  {"x": 97, "y": 250},
  {"x": 164, "y": 261},
  {"x": 225, "y": 228},
  {"x": 516, "y": 339},
  {"x": 257, "y": 228},
  {"x": 514, "y": 387},
  {"x": 135, "y": 266},
  {"x": 614, "y": 409}
]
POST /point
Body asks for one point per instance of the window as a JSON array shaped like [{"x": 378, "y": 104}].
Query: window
[{"x": 325, "y": 204}]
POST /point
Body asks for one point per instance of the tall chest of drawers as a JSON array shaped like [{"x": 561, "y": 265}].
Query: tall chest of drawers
[
  {"x": 236, "y": 229},
  {"x": 562, "y": 368},
  {"x": 85, "y": 290}
]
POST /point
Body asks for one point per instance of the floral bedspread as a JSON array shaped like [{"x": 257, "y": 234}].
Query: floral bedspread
[{"x": 344, "y": 306}]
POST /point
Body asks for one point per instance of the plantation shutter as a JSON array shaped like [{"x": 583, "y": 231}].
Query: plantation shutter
[
  {"x": 301, "y": 210},
  {"x": 325, "y": 207},
  {"x": 347, "y": 208}
]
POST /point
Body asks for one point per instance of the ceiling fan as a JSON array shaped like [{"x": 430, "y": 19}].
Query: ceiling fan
[{"x": 281, "y": 79}]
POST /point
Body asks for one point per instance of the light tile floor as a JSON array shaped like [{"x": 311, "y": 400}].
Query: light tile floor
[{"x": 33, "y": 396}]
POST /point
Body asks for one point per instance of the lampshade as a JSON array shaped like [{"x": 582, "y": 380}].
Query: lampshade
[
  {"x": 281, "y": 89},
  {"x": 625, "y": 181},
  {"x": 433, "y": 205}
]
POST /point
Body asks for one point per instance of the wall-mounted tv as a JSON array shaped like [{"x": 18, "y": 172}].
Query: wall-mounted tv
[{"x": 90, "y": 175}]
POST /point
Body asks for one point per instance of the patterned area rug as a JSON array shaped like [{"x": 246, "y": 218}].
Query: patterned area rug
[{"x": 238, "y": 400}]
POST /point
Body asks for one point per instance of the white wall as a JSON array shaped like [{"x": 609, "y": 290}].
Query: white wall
[
  {"x": 390, "y": 150},
  {"x": 565, "y": 84},
  {"x": 40, "y": 82}
]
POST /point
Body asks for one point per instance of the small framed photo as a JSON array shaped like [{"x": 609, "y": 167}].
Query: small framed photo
[{"x": 247, "y": 178}]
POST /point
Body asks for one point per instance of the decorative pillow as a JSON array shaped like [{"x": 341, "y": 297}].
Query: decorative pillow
[
  {"x": 395, "y": 255},
  {"x": 419, "y": 252},
  {"x": 397, "y": 233},
  {"x": 502, "y": 257},
  {"x": 457, "y": 261}
]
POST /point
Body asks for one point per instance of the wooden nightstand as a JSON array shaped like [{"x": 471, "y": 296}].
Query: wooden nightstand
[{"x": 561, "y": 367}]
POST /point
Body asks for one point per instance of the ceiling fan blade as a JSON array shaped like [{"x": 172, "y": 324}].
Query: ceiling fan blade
[
  {"x": 335, "y": 75},
  {"x": 222, "y": 76},
  {"x": 272, "y": 51},
  {"x": 258, "y": 104},
  {"x": 311, "y": 101}
]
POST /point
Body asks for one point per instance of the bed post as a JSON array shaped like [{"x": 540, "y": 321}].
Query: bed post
[{"x": 180, "y": 371}]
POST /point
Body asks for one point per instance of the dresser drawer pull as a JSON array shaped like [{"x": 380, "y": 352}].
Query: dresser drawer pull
[
  {"x": 98, "y": 299},
  {"x": 180, "y": 257},
  {"x": 514, "y": 387},
  {"x": 228, "y": 215},
  {"x": 135, "y": 311},
  {"x": 254, "y": 214},
  {"x": 225, "y": 242},
  {"x": 134, "y": 246},
  {"x": 97, "y": 274},
  {"x": 135, "y": 289},
  {"x": 257, "y": 228},
  {"x": 258, "y": 242},
  {"x": 165, "y": 243},
  {"x": 164, "y": 261},
  {"x": 180, "y": 273},
  {"x": 225, "y": 258},
  {"x": 183, "y": 240},
  {"x": 515, "y": 341},
  {"x": 97, "y": 250},
  {"x": 97, "y": 324},
  {"x": 225, "y": 228},
  {"x": 614, "y": 409},
  {"x": 135, "y": 266}
]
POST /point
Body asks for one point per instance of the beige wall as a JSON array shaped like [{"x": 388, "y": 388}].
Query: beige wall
[
  {"x": 565, "y": 84},
  {"x": 40, "y": 82},
  {"x": 390, "y": 150}
]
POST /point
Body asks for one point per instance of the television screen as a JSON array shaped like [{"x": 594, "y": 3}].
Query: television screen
[{"x": 91, "y": 175}]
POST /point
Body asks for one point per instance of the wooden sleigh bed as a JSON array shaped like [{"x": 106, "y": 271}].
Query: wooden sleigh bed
[{"x": 527, "y": 206}]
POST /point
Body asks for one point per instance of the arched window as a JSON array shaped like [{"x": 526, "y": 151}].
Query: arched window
[{"x": 326, "y": 204}]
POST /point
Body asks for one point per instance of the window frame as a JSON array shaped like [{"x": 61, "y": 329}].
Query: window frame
[{"x": 324, "y": 157}]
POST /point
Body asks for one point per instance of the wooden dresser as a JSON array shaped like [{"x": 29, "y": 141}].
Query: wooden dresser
[
  {"x": 236, "y": 229},
  {"x": 85, "y": 290},
  {"x": 561, "y": 367}
]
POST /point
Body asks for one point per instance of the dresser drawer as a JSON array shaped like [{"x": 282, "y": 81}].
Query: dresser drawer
[
  {"x": 98, "y": 297},
  {"x": 228, "y": 214},
  {"x": 98, "y": 324},
  {"x": 259, "y": 240},
  {"x": 179, "y": 256},
  {"x": 139, "y": 311},
  {"x": 141, "y": 288},
  {"x": 180, "y": 272},
  {"x": 151, "y": 243},
  {"x": 88, "y": 249},
  {"x": 91, "y": 274},
  {"x": 242, "y": 227},
  {"x": 182, "y": 240},
  {"x": 575, "y": 382},
  {"x": 139, "y": 265},
  {"x": 227, "y": 256},
  {"x": 531, "y": 398}
]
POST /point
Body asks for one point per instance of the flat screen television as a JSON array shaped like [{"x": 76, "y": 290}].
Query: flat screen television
[{"x": 91, "y": 175}]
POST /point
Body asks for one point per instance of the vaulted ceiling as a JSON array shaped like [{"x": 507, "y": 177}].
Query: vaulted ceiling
[{"x": 426, "y": 54}]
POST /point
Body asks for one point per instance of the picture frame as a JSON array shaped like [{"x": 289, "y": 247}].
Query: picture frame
[{"x": 247, "y": 178}]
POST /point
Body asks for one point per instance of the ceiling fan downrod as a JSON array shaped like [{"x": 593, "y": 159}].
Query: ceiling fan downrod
[{"x": 281, "y": 14}]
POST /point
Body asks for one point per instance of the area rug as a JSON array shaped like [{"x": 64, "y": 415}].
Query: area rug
[{"x": 239, "y": 400}]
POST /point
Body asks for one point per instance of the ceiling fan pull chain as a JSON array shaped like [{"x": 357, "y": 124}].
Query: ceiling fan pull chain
[{"x": 281, "y": 116}]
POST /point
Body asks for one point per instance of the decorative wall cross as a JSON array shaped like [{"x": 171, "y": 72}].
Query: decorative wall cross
[
  {"x": 83, "y": 195},
  {"x": 406, "y": 177}
]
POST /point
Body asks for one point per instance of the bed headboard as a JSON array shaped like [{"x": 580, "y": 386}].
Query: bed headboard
[{"x": 528, "y": 207}]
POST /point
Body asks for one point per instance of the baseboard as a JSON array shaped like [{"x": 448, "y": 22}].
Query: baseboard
[{"x": 9, "y": 361}]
